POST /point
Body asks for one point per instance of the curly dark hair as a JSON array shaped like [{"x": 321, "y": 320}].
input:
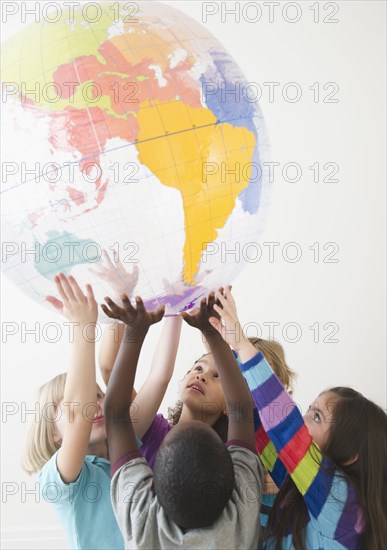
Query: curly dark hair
[{"x": 220, "y": 426}]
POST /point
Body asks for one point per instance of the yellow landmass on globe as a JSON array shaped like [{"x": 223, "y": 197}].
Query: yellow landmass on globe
[
  {"x": 197, "y": 157},
  {"x": 32, "y": 55},
  {"x": 31, "y": 58}
]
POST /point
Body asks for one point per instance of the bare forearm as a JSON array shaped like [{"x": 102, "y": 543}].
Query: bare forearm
[
  {"x": 152, "y": 392},
  {"x": 164, "y": 357},
  {"x": 110, "y": 345},
  {"x": 119, "y": 393},
  {"x": 81, "y": 378},
  {"x": 245, "y": 350},
  {"x": 238, "y": 397},
  {"x": 234, "y": 386}
]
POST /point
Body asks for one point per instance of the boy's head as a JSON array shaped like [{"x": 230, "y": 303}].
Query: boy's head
[{"x": 193, "y": 475}]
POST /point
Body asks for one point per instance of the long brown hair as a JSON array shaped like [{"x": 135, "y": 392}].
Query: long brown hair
[{"x": 357, "y": 447}]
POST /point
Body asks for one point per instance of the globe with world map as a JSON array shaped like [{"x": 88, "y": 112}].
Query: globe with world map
[{"x": 134, "y": 156}]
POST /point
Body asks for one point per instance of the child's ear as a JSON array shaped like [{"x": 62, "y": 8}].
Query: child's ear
[{"x": 351, "y": 461}]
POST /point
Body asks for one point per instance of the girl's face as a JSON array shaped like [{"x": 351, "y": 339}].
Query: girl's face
[
  {"x": 93, "y": 414},
  {"x": 201, "y": 390},
  {"x": 320, "y": 416}
]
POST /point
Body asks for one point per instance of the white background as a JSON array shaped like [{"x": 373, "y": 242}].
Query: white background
[{"x": 350, "y": 213}]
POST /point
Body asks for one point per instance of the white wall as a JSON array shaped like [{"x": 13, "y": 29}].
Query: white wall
[{"x": 351, "y": 213}]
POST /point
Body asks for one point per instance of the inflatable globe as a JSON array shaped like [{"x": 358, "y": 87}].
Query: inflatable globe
[{"x": 133, "y": 156}]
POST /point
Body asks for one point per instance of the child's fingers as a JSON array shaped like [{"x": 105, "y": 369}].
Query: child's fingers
[
  {"x": 225, "y": 302},
  {"x": 116, "y": 257},
  {"x": 106, "y": 258},
  {"x": 223, "y": 313},
  {"x": 140, "y": 305},
  {"x": 159, "y": 314},
  {"x": 115, "y": 309},
  {"x": 220, "y": 292},
  {"x": 222, "y": 299},
  {"x": 211, "y": 300},
  {"x": 90, "y": 293},
  {"x": 229, "y": 296},
  {"x": 219, "y": 310},
  {"x": 188, "y": 319},
  {"x": 216, "y": 323},
  {"x": 59, "y": 288},
  {"x": 66, "y": 287},
  {"x": 107, "y": 311},
  {"x": 76, "y": 289},
  {"x": 126, "y": 302},
  {"x": 127, "y": 305},
  {"x": 203, "y": 306},
  {"x": 57, "y": 304}
]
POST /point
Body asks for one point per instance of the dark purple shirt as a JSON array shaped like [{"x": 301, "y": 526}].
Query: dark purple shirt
[{"x": 153, "y": 438}]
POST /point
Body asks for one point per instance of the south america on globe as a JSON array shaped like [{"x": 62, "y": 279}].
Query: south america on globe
[{"x": 134, "y": 156}]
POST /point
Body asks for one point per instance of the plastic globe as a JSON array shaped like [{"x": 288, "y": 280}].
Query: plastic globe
[{"x": 133, "y": 156}]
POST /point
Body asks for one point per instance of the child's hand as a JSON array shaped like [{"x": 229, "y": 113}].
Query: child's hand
[
  {"x": 138, "y": 319},
  {"x": 116, "y": 275},
  {"x": 203, "y": 318},
  {"x": 178, "y": 287},
  {"x": 228, "y": 325},
  {"x": 75, "y": 305}
]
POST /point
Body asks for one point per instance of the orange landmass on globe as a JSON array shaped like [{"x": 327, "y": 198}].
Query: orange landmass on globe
[
  {"x": 126, "y": 85},
  {"x": 87, "y": 128},
  {"x": 145, "y": 95},
  {"x": 194, "y": 158}
]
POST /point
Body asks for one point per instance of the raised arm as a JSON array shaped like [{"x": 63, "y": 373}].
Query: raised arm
[
  {"x": 110, "y": 344},
  {"x": 237, "y": 395},
  {"x": 148, "y": 399},
  {"x": 111, "y": 271},
  {"x": 231, "y": 330},
  {"x": 81, "y": 385},
  {"x": 118, "y": 400},
  {"x": 286, "y": 430}
]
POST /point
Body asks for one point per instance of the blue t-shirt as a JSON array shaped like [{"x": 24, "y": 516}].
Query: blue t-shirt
[
  {"x": 267, "y": 503},
  {"x": 83, "y": 506}
]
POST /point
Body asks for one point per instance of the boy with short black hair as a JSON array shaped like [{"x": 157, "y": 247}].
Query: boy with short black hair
[{"x": 201, "y": 493}]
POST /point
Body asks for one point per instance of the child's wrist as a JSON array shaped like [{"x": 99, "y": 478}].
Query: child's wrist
[
  {"x": 83, "y": 326},
  {"x": 135, "y": 333},
  {"x": 212, "y": 336},
  {"x": 241, "y": 343},
  {"x": 246, "y": 351}
]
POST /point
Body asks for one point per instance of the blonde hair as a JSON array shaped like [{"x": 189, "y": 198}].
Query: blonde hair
[
  {"x": 40, "y": 445},
  {"x": 275, "y": 356}
]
